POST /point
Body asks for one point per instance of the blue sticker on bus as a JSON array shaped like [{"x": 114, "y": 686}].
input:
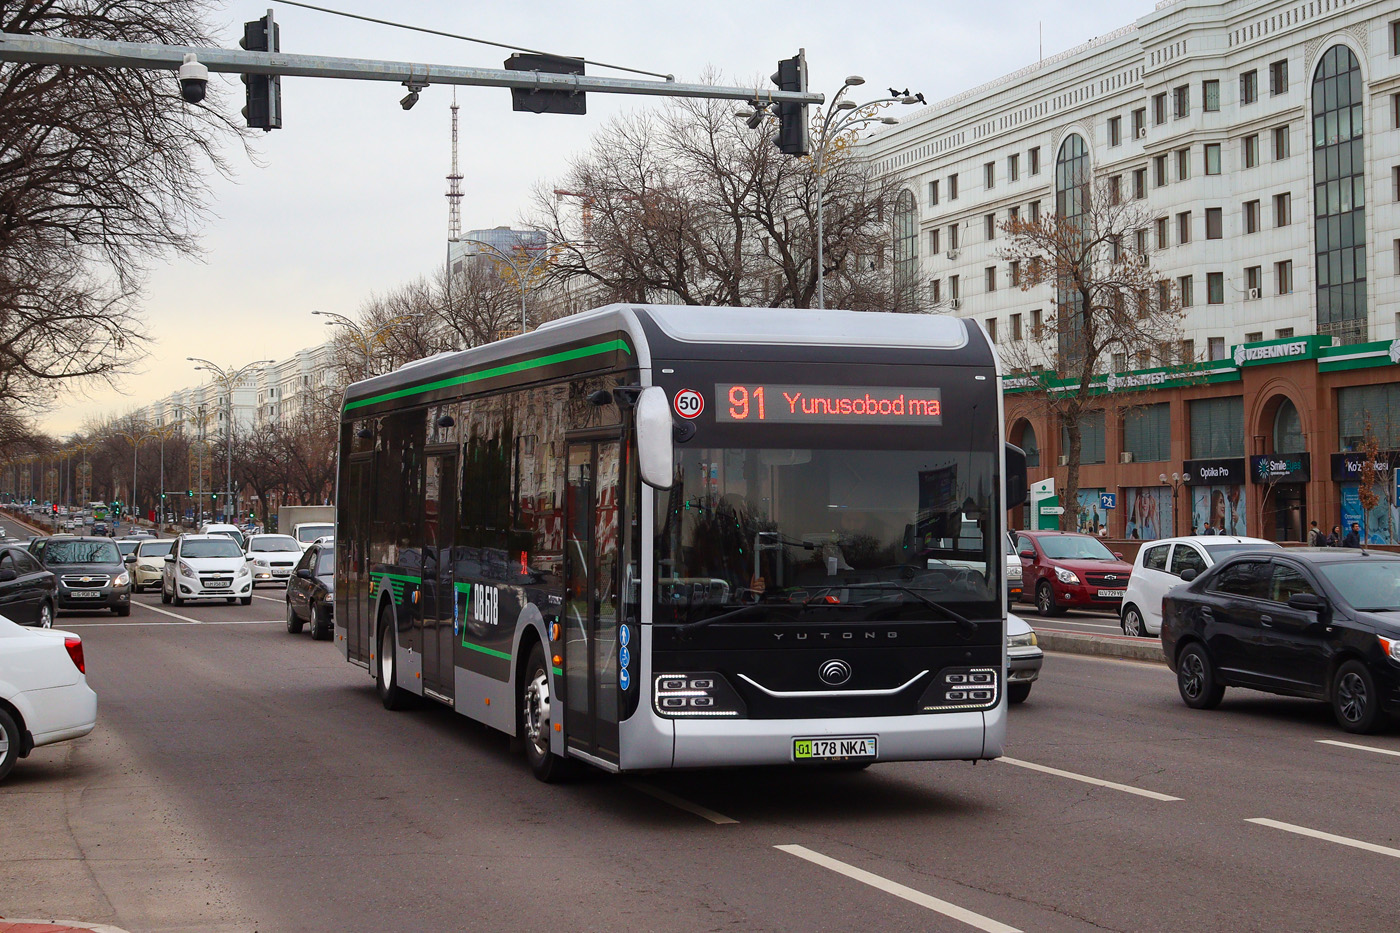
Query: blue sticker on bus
[
  {"x": 624, "y": 636},
  {"x": 624, "y": 657},
  {"x": 624, "y": 678}
]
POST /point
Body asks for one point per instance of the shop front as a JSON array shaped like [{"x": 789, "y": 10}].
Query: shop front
[
  {"x": 1219, "y": 500},
  {"x": 1281, "y": 484},
  {"x": 1380, "y": 524}
]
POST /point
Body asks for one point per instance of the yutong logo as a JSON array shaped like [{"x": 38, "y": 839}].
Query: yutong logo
[
  {"x": 834, "y": 672},
  {"x": 870, "y": 635}
]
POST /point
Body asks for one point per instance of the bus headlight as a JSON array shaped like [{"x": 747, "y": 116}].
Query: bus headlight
[
  {"x": 695, "y": 694},
  {"x": 962, "y": 688}
]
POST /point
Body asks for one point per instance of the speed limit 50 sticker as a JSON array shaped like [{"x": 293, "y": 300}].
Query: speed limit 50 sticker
[{"x": 689, "y": 403}]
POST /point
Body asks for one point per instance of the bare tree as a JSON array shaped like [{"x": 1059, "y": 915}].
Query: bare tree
[
  {"x": 475, "y": 305},
  {"x": 1108, "y": 303}
]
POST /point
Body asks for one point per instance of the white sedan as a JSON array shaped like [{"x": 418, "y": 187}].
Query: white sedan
[
  {"x": 272, "y": 557},
  {"x": 43, "y": 683}
]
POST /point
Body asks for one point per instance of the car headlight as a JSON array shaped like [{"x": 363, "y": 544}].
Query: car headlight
[
  {"x": 1013, "y": 571},
  {"x": 123, "y": 579},
  {"x": 1391, "y": 646},
  {"x": 186, "y": 570},
  {"x": 261, "y": 562},
  {"x": 1066, "y": 576},
  {"x": 1021, "y": 641},
  {"x": 243, "y": 571}
]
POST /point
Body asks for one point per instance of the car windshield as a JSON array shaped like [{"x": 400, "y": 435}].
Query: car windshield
[
  {"x": 235, "y": 536},
  {"x": 308, "y": 533},
  {"x": 1074, "y": 547},
  {"x": 879, "y": 528},
  {"x": 1368, "y": 585},
  {"x": 274, "y": 543},
  {"x": 154, "y": 548},
  {"x": 325, "y": 563},
  {"x": 127, "y": 547},
  {"x": 81, "y": 552},
  {"x": 211, "y": 547},
  {"x": 1219, "y": 552}
]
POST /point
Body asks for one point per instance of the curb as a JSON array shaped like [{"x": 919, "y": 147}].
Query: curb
[
  {"x": 1109, "y": 646},
  {"x": 8, "y": 925}
]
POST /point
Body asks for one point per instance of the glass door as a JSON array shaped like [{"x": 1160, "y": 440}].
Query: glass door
[{"x": 438, "y": 602}]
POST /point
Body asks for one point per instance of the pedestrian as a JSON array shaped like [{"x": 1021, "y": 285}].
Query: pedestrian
[
  {"x": 1353, "y": 538},
  {"x": 1315, "y": 536},
  {"x": 1335, "y": 538}
]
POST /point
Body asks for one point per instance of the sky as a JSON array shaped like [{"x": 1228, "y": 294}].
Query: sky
[{"x": 347, "y": 199}]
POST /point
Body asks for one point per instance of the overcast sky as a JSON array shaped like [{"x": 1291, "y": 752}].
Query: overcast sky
[{"x": 349, "y": 198}]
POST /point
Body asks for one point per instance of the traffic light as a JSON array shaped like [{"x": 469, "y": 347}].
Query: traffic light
[
  {"x": 55, "y": 508},
  {"x": 264, "y": 108},
  {"x": 534, "y": 100},
  {"x": 189, "y": 493},
  {"x": 792, "y": 118}
]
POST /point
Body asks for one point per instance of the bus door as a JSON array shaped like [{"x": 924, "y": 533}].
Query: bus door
[
  {"x": 437, "y": 595},
  {"x": 353, "y": 554},
  {"x": 591, "y": 596}
]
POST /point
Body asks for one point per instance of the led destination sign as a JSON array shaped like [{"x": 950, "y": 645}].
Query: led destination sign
[{"x": 788, "y": 404}]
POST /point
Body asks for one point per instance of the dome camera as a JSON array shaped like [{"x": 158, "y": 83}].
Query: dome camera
[{"x": 194, "y": 79}]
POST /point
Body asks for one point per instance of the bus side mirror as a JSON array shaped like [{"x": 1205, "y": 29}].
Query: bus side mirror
[
  {"x": 656, "y": 455},
  {"x": 1017, "y": 486}
]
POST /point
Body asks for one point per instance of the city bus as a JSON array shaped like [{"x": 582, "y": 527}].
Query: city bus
[{"x": 652, "y": 537}]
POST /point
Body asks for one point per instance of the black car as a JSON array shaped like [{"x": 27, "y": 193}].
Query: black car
[
  {"x": 91, "y": 574},
  {"x": 26, "y": 589},
  {"x": 311, "y": 592},
  {"x": 1308, "y": 622}
]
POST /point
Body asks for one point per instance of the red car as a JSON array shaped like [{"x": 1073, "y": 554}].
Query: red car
[{"x": 1062, "y": 570}]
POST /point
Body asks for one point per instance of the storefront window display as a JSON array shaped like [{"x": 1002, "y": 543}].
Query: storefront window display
[
  {"x": 1222, "y": 508},
  {"x": 1149, "y": 513},
  {"x": 1093, "y": 520},
  {"x": 1381, "y": 523}
]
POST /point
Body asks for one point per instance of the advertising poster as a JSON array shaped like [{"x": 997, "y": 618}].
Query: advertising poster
[
  {"x": 1092, "y": 518},
  {"x": 1220, "y": 507},
  {"x": 1379, "y": 523},
  {"x": 1149, "y": 514}
]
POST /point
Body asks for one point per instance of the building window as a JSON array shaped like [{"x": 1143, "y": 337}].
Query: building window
[
  {"x": 1035, "y": 212},
  {"x": 955, "y": 287},
  {"x": 1013, "y": 213},
  {"x": 952, "y": 236},
  {"x": 1016, "y": 327},
  {"x": 1251, "y": 150},
  {"x": 1188, "y": 351},
  {"x": 1278, "y": 77},
  {"x": 1115, "y": 188},
  {"x": 1210, "y": 96},
  {"x": 1120, "y": 362},
  {"x": 1212, "y": 151},
  {"x": 1033, "y": 160},
  {"x": 1181, "y": 102},
  {"x": 1283, "y": 333},
  {"x": 1339, "y": 178},
  {"x": 1215, "y": 347},
  {"x": 1115, "y": 131},
  {"x": 1183, "y": 164},
  {"x": 1251, "y": 216},
  {"x": 1377, "y": 404},
  {"x": 1253, "y": 275},
  {"x": 1215, "y": 288},
  {"x": 1163, "y": 238},
  {"x": 933, "y": 249},
  {"x": 1281, "y": 147},
  {"x": 989, "y": 175},
  {"x": 933, "y": 192},
  {"x": 1214, "y": 223},
  {"x": 990, "y": 224},
  {"x": 935, "y": 290},
  {"x": 1288, "y": 430},
  {"x": 1091, "y": 436},
  {"x": 1283, "y": 209},
  {"x": 1254, "y": 336},
  {"x": 991, "y": 278},
  {"x": 1395, "y": 111},
  {"x": 1139, "y": 123},
  {"x": 1140, "y": 242},
  {"x": 1013, "y": 166},
  {"x": 1283, "y": 277},
  {"x": 1072, "y": 179},
  {"x": 1249, "y": 86},
  {"x": 1035, "y": 324},
  {"x": 1185, "y": 288},
  {"x": 1147, "y": 433},
  {"x": 1395, "y": 183},
  {"x": 992, "y": 329},
  {"x": 1139, "y": 183},
  {"x": 1159, "y": 109},
  {"x": 953, "y": 187},
  {"x": 906, "y": 249},
  {"x": 1217, "y": 424},
  {"x": 1395, "y": 37},
  {"x": 1183, "y": 227},
  {"x": 1159, "y": 171},
  {"x": 1015, "y": 272}
]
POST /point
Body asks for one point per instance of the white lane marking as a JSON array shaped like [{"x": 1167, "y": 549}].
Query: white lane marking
[
  {"x": 269, "y": 598},
  {"x": 167, "y": 612},
  {"x": 169, "y": 624},
  {"x": 1097, "y": 782},
  {"x": 1328, "y": 837},
  {"x": 681, "y": 803},
  {"x": 1364, "y": 748},
  {"x": 961, "y": 914}
]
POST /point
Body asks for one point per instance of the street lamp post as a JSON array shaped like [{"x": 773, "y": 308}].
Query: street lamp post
[
  {"x": 522, "y": 271},
  {"x": 228, "y": 379},
  {"x": 1176, "y": 481},
  {"x": 366, "y": 340},
  {"x": 842, "y": 118},
  {"x": 198, "y": 416},
  {"x": 136, "y": 440}
]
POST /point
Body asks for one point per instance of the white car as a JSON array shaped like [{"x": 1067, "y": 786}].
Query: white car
[
  {"x": 206, "y": 567},
  {"x": 1024, "y": 658},
  {"x": 1159, "y": 566},
  {"x": 150, "y": 562},
  {"x": 272, "y": 557},
  {"x": 221, "y": 528},
  {"x": 43, "y": 686},
  {"x": 307, "y": 532}
]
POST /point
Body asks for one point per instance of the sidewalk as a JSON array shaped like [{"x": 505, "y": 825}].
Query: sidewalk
[{"x": 55, "y": 926}]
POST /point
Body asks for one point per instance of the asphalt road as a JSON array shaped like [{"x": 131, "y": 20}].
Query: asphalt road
[{"x": 241, "y": 778}]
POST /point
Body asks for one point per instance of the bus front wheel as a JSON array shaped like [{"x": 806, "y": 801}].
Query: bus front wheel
[
  {"x": 390, "y": 694},
  {"x": 537, "y": 713}
]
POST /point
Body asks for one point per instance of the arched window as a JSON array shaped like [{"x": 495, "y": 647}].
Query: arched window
[
  {"x": 1288, "y": 429},
  {"x": 1071, "y": 205},
  {"x": 1027, "y": 442},
  {"x": 906, "y": 251},
  {"x": 1339, "y": 186}
]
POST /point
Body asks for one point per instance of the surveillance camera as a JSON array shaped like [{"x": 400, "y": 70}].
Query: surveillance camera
[
  {"x": 409, "y": 100},
  {"x": 194, "y": 79}
]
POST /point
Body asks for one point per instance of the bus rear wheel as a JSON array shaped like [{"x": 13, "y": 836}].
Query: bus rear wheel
[
  {"x": 536, "y": 720},
  {"x": 390, "y": 694}
]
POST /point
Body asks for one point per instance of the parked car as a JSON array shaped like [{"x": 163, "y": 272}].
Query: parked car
[
  {"x": 1159, "y": 567},
  {"x": 311, "y": 593},
  {"x": 1309, "y": 622},
  {"x": 272, "y": 557},
  {"x": 26, "y": 588},
  {"x": 91, "y": 574},
  {"x": 1023, "y": 658},
  {"x": 1064, "y": 570},
  {"x": 150, "y": 562},
  {"x": 44, "y": 695},
  {"x": 1014, "y": 572},
  {"x": 208, "y": 566}
]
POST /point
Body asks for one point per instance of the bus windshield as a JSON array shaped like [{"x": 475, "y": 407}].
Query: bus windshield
[{"x": 785, "y": 527}]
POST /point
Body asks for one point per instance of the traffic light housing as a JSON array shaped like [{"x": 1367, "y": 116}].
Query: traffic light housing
[
  {"x": 55, "y": 508},
  {"x": 534, "y": 100},
  {"x": 792, "y": 118},
  {"x": 264, "y": 92}
]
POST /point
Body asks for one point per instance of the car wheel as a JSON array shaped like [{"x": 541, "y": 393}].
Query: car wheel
[
  {"x": 45, "y": 616},
  {"x": 164, "y": 596},
  {"x": 536, "y": 715},
  {"x": 177, "y": 599},
  {"x": 121, "y": 610},
  {"x": 320, "y": 626},
  {"x": 1355, "y": 702},
  {"x": 294, "y": 624},
  {"x": 244, "y": 600},
  {"x": 1195, "y": 678},
  {"x": 1133, "y": 624},
  {"x": 137, "y": 588},
  {"x": 1045, "y": 600},
  {"x": 390, "y": 693},
  {"x": 9, "y": 743},
  {"x": 1017, "y": 693}
]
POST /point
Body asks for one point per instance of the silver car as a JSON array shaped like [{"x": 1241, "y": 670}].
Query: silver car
[{"x": 1023, "y": 658}]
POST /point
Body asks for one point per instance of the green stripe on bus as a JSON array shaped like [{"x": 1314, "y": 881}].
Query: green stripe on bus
[
  {"x": 484, "y": 650},
  {"x": 509, "y": 368}
]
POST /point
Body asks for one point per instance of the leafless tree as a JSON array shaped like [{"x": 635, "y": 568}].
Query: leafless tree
[{"x": 1108, "y": 303}]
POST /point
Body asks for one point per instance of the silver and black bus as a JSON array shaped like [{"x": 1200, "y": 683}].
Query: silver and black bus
[{"x": 674, "y": 537}]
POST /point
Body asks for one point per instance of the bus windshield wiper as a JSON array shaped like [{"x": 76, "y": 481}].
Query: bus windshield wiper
[{"x": 965, "y": 625}]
